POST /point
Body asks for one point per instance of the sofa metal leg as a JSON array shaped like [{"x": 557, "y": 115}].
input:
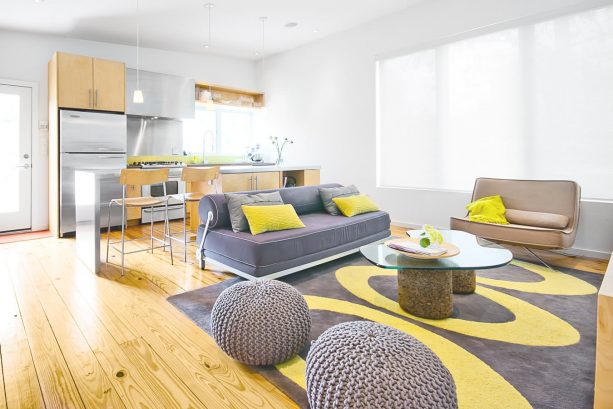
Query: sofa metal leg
[
  {"x": 201, "y": 262},
  {"x": 539, "y": 259}
]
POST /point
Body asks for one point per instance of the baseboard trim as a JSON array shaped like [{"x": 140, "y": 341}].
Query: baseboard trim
[{"x": 573, "y": 251}]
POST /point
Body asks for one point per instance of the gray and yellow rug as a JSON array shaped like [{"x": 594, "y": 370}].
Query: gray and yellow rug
[{"x": 525, "y": 339}]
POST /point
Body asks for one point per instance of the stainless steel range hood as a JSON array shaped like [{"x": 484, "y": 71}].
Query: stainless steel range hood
[{"x": 166, "y": 96}]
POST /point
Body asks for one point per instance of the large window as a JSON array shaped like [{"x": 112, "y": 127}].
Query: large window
[
  {"x": 221, "y": 131},
  {"x": 531, "y": 102}
]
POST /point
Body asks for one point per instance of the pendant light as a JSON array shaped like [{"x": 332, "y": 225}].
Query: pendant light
[{"x": 138, "y": 97}]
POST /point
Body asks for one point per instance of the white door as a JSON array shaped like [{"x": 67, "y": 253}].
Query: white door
[{"x": 15, "y": 157}]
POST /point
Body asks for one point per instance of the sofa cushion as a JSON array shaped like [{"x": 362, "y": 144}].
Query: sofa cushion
[
  {"x": 329, "y": 193},
  {"x": 537, "y": 219},
  {"x": 353, "y": 205},
  {"x": 235, "y": 202},
  {"x": 529, "y": 236},
  {"x": 264, "y": 219},
  {"x": 322, "y": 232}
]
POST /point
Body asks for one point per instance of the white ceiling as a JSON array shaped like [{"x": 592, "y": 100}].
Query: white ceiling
[{"x": 182, "y": 25}]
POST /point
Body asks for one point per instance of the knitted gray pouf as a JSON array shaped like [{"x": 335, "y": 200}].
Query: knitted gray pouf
[
  {"x": 261, "y": 322},
  {"x": 363, "y": 364}
]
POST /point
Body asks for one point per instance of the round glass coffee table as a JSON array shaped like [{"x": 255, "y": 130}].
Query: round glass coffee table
[{"x": 426, "y": 287}]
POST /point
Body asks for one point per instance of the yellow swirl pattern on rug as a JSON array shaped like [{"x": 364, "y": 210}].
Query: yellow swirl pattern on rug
[
  {"x": 554, "y": 282},
  {"x": 478, "y": 385},
  {"x": 532, "y": 325}
]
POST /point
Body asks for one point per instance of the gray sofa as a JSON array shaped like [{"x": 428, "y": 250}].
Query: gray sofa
[{"x": 274, "y": 254}]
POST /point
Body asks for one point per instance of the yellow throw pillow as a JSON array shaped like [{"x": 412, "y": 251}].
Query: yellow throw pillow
[
  {"x": 487, "y": 210},
  {"x": 271, "y": 218},
  {"x": 354, "y": 205}
]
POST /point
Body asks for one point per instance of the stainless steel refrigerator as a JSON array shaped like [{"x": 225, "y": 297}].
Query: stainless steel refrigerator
[{"x": 90, "y": 140}]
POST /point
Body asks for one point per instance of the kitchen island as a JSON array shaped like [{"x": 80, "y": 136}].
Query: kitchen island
[{"x": 87, "y": 214}]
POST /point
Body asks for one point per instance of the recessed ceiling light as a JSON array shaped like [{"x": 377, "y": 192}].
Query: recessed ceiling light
[
  {"x": 38, "y": 1},
  {"x": 206, "y": 46},
  {"x": 291, "y": 24},
  {"x": 316, "y": 30}
]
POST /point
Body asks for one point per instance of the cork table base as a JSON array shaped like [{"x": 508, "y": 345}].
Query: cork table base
[
  {"x": 464, "y": 281},
  {"x": 426, "y": 293}
]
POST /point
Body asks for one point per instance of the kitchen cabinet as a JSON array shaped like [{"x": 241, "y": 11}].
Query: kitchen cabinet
[
  {"x": 109, "y": 85},
  {"x": 241, "y": 182},
  {"x": 88, "y": 83}
]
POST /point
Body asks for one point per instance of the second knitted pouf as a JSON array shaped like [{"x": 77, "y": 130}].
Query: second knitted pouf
[{"x": 362, "y": 364}]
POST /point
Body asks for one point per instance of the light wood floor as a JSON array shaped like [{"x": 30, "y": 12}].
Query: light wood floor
[{"x": 71, "y": 339}]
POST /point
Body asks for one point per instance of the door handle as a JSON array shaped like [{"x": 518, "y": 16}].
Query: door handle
[
  {"x": 95, "y": 98},
  {"x": 89, "y": 98},
  {"x": 256, "y": 182},
  {"x": 251, "y": 183},
  {"x": 26, "y": 166}
]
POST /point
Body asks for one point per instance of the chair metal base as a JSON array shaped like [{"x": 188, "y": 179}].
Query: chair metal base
[{"x": 539, "y": 259}]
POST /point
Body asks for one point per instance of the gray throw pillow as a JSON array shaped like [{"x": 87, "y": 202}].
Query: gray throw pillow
[
  {"x": 328, "y": 193},
  {"x": 236, "y": 200}
]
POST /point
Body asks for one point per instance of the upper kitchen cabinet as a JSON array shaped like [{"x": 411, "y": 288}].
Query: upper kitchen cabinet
[
  {"x": 109, "y": 85},
  {"x": 88, "y": 83}
]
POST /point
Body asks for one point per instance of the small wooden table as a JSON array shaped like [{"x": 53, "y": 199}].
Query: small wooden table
[{"x": 426, "y": 287}]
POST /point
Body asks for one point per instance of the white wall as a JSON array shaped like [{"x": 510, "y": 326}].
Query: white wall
[
  {"x": 323, "y": 96},
  {"x": 25, "y": 57}
]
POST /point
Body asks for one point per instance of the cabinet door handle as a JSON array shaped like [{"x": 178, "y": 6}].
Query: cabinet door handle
[
  {"x": 250, "y": 182},
  {"x": 256, "y": 182},
  {"x": 95, "y": 98},
  {"x": 89, "y": 98}
]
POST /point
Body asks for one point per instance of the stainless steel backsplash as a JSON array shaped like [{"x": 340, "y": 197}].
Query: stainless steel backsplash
[{"x": 160, "y": 136}]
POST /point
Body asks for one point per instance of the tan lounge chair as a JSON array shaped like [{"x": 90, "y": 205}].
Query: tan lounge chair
[{"x": 543, "y": 214}]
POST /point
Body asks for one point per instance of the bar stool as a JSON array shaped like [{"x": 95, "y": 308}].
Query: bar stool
[
  {"x": 139, "y": 177},
  {"x": 195, "y": 177}
]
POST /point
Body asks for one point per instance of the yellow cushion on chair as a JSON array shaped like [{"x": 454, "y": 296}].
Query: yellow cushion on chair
[
  {"x": 488, "y": 209},
  {"x": 354, "y": 205},
  {"x": 271, "y": 218}
]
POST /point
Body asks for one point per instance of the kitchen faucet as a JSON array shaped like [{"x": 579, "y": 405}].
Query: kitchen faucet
[{"x": 204, "y": 144}]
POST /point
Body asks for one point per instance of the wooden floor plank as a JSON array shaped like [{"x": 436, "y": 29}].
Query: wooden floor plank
[
  {"x": 57, "y": 385},
  {"x": 161, "y": 377},
  {"x": 94, "y": 386},
  {"x": 21, "y": 388},
  {"x": 132, "y": 378}
]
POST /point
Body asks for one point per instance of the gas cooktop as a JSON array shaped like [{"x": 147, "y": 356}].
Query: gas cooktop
[{"x": 158, "y": 164}]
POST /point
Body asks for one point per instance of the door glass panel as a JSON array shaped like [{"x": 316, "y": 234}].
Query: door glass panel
[{"x": 9, "y": 154}]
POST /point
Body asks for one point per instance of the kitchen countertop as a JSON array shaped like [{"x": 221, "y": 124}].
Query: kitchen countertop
[{"x": 264, "y": 168}]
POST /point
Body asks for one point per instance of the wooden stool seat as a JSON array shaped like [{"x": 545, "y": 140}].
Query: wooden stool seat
[
  {"x": 194, "y": 196},
  {"x": 145, "y": 201}
]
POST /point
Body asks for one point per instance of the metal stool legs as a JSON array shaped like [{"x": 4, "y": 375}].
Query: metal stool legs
[{"x": 123, "y": 236}]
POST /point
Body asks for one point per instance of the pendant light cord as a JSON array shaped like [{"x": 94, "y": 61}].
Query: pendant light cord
[
  {"x": 263, "y": 20},
  {"x": 137, "y": 47},
  {"x": 209, "y": 42}
]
